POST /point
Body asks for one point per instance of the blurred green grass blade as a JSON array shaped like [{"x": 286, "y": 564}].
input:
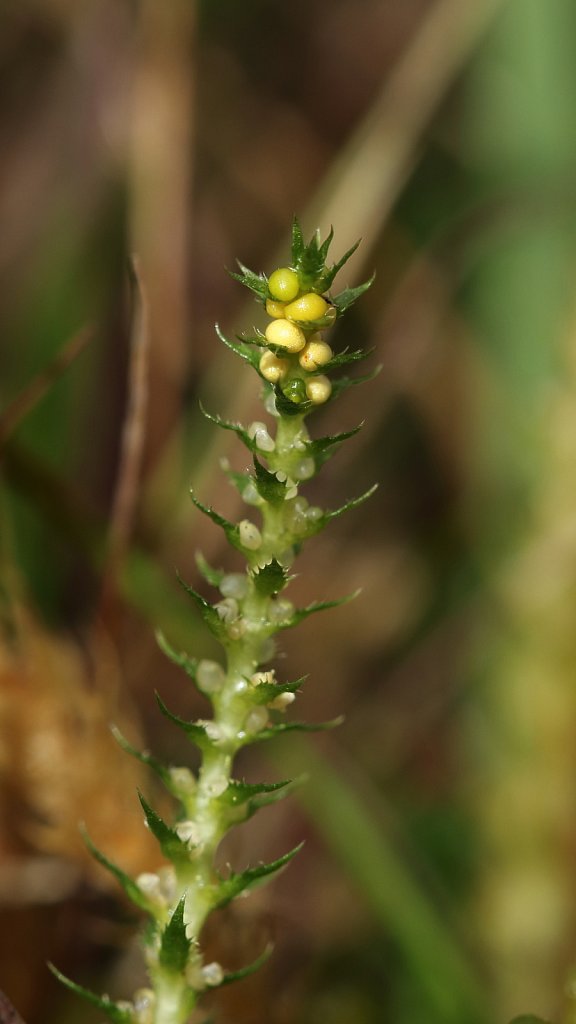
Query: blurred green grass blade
[{"x": 342, "y": 814}]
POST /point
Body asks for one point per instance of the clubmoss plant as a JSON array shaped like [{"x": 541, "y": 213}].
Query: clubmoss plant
[{"x": 295, "y": 363}]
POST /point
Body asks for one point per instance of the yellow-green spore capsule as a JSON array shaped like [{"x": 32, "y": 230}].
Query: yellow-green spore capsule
[
  {"x": 272, "y": 368},
  {"x": 286, "y": 335},
  {"x": 275, "y": 309},
  {"x": 283, "y": 284},
  {"x": 318, "y": 389},
  {"x": 307, "y": 308},
  {"x": 316, "y": 353}
]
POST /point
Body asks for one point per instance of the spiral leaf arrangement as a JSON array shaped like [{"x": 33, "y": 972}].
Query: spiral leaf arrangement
[{"x": 248, "y": 702}]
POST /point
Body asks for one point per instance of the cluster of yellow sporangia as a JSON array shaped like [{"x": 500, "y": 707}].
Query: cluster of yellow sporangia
[{"x": 295, "y": 329}]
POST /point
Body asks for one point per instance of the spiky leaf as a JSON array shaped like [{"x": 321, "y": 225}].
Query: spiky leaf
[
  {"x": 330, "y": 273},
  {"x": 143, "y": 756},
  {"x": 134, "y": 894},
  {"x": 271, "y": 731},
  {"x": 345, "y": 357},
  {"x": 212, "y": 576},
  {"x": 238, "y": 792},
  {"x": 237, "y": 883},
  {"x": 346, "y": 298},
  {"x": 263, "y": 693},
  {"x": 245, "y": 972},
  {"x": 257, "y": 283},
  {"x": 172, "y": 846},
  {"x": 323, "y": 447},
  {"x": 242, "y": 348},
  {"x": 267, "y": 484},
  {"x": 175, "y": 944},
  {"x": 236, "y": 428},
  {"x": 117, "y": 1014},
  {"x": 286, "y": 407},
  {"x": 270, "y": 579},
  {"x": 317, "y": 606},
  {"x": 353, "y": 503},
  {"x": 196, "y": 733},
  {"x": 208, "y": 612},
  {"x": 180, "y": 658}
]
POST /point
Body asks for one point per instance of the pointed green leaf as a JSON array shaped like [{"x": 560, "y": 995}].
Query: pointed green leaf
[
  {"x": 278, "y": 728},
  {"x": 196, "y": 733},
  {"x": 270, "y": 579},
  {"x": 257, "y": 283},
  {"x": 245, "y": 972},
  {"x": 134, "y": 894},
  {"x": 353, "y": 503},
  {"x": 208, "y": 612},
  {"x": 236, "y": 428},
  {"x": 317, "y": 606},
  {"x": 343, "y": 383},
  {"x": 242, "y": 348},
  {"x": 244, "y": 880},
  {"x": 173, "y": 848},
  {"x": 267, "y": 484},
  {"x": 345, "y": 357},
  {"x": 180, "y": 658},
  {"x": 114, "y": 1011},
  {"x": 212, "y": 576},
  {"x": 286, "y": 407},
  {"x": 323, "y": 447},
  {"x": 346, "y": 298},
  {"x": 330, "y": 273},
  {"x": 323, "y": 249},
  {"x": 238, "y": 792},
  {"x": 175, "y": 944},
  {"x": 263, "y": 693},
  {"x": 297, "y": 243},
  {"x": 143, "y": 756}
]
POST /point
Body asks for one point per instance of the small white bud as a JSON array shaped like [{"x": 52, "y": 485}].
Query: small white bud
[
  {"x": 282, "y": 701},
  {"x": 263, "y": 677},
  {"x": 281, "y": 476},
  {"x": 314, "y": 513},
  {"x": 214, "y": 730},
  {"x": 189, "y": 833},
  {"x": 183, "y": 779},
  {"x": 227, "y": 609},
  {"x": 280, "y": 609},
  {"x": 250, "y": 495},
  {"x": 270, "y": 404},
  {"x": 168, "y": 883},
  {"x": 236, "y": 629},
  {"x": 234, "y": 584},
  {"x": 299, "y": 444},
  {"x": 305, "y": 469},
  {"x": 318, "y": 389},
  {"x": 256, "y": 719},
  {"x": 144, "y": 1003},
  {"x": 216, "y": 786},
  {"x": 149, "y": 884},
  {"x": 291, "y": 492},
  {"x": 213, "y": 974},
  {"x": 210, "y": 676},
  {"x": 250, "y": 536},
  {"x": 258, "y": 432}
]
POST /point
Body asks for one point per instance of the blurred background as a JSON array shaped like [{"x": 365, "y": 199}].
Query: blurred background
[{"x": 145, "y": 146}]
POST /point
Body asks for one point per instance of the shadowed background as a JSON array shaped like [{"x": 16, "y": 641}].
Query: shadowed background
[{"x": 146, "y": 146}]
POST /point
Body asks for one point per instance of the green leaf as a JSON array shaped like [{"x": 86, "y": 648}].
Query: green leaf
[
  {"x": 242, "y": 348},
  {"x": 245, "y": 972},
  {"x": 353, "y": 503},
  {"x": 280, "y": 727},
  {"x": 212, "y": 576},
  {"x": 117, "y": 1014},
  {"x": 236, "y": 428},
  {"x": 270, "y": 579},
  {"x": 244, "y": 880},
  {"x": 173, "y": 848},
  {"x": 297, "y": 243},
  {"x": 175, "y": 944},
  {"x": 343, "y": 383},
  {"x": 134, "y": 894},
  {"x": 317, "y": 606},
  {"x": 262, "y": 693},
  {"x": 323, "y": 447},
  {"x": 286, "y": 407},
  {"x": 196, "y": 733},
  {"x": 346, "y": 298},
  {"x": 330, "y": 273},
  {"x": 208, "y": 612},
  {"x": 238, "y": 792},
  {"x": 257, "y": 283},
  {"x": 267, "y": 484},
  {"x": 143, "y": 756},
  {"x": 180, "y": 658},
  {"x": 345, "y": 357}
]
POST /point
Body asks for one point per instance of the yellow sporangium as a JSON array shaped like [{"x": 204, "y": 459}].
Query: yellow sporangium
[
  {"x": 307, "y": 308},
  {"x": 272, "y": 368},
  {"x": 283, "y": 284},
  {"x": 275, "y": 309},
  {"x": 318, "y": 389},
  {"x": 316, "y": 353},
  {"x": 286, "y": 335}
]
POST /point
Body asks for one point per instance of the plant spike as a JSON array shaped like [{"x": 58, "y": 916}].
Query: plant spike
[{"x": 293, "y": 360}]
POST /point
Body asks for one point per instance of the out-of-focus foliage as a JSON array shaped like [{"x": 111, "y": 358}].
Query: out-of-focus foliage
[{"x": 184, "y": 136}]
